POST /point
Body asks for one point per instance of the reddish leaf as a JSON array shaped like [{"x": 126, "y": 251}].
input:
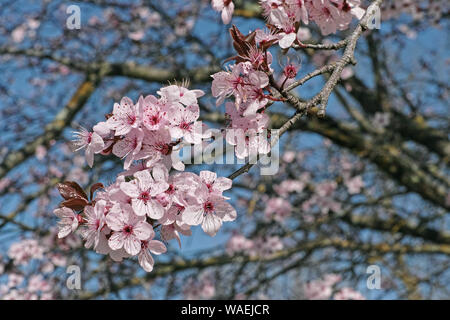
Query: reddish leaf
[
  {"x": 71, "y": 189},
  {"x": 76, "y": 204},
  {"x": 94, "y": 187}
]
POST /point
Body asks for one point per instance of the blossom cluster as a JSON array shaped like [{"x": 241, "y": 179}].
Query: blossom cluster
[
  {"x": 154, "y": 129},
  {"x": 247, "y": 82},
  {"x": 122, "y": 218},
  {"x": 285, "y": 16},
  {"x": 246, "y": 85},
  {"x": 329, "y": 15},
  {"x": 40, "y": 258},
  {"x": 323, "y": 289},
  {"x": 257, "y": 247}
]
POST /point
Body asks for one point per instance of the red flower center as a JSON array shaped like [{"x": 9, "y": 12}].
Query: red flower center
[
  {"x": 144, "y": 244},
  {"x": 290, "y": 71},
  {"x": 131, "y": 119},
  {"x": 171, "y": 189},
  {"x": 185, "y": 125},
  {"x": 208, "y": 207},
  {"x": 144, "y": 196},
  {"x": 128, "y": 230},
  {"x": 164, "y": 148},
  {"x": 346, "y": 7}
]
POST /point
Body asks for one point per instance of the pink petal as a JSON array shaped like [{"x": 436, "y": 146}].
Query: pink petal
[
  {"x": 132, "y": 245},
  {"x": 116, "y": 241},
  {"x": 156, "y": 247},
  {"x": 130, "y": 189},
  {"x": 211, "y": 224},
  {"x": 193, "y": 215},
  {"x": 143, "y": 230},
  {"x": 146, "y": 261}
]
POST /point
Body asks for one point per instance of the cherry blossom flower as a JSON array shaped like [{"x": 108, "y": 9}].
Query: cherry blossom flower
[
  {"x": 277, "y": 209},
  {"x": 154, "y": 113},
  {"x": 184, "y": 124},
  {"x": 143, "y": 189},
  {"x": 210, "y": 211},
  {"x": 322, "y": 288},
  {"x": 226, "y": 83},
  {"x": 348, "y": 294},
  {"x": 128, "y": 229},
  {"x": 326, "y": 15},
  {"x": 173, "y": 230},
  {"x": 129, "y": 147},
  {"x": 214, "y": 184},
  {"x": 68, "y": 223},
  {"x": 95, "y": 221},
  {"x": 159, "y": 147},
  {"x": 226, "y": 7},
  {"x": 150, "y": 246},
  {"x": 354, "y": 185},
  {"x": 246, "y": 133},
  {"x": 238, "y": 244},
  {"x": 24, "y": 251},
  {"x": 179, "y": 94},
  {"x": 126, "y": 116},
  {"x": 92, "y": 141},
  {"x": 288, "y": 34}
]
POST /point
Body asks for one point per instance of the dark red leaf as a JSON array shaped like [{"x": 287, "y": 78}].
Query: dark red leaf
[
  {"x": 76, "y": 204},
  {"x": 71, "y": 189},
  {"x": 94, "y": 187}
]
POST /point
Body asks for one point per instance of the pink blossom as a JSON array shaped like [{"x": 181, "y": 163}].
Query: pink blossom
[
  {"x": 40, "y": 152},
  {"x": 179, "y": 94},
  {"x": 126, "y": 116},
  {"x": 95, "y": 220},
  {"x": 214, "y": 184},
  {"x": 184, "y": 124},
  {"x": 289, "y": 186},
  {"x": 277, "y": 209},
  {"x": 348, "y": 294},
  {"x": 226, "y": 83},
  {"x": 158, "y": 147},
  {"x": 226, "y": 7},
  {"x": 68, "y": 223},
  {"x": 247, "y": 132},
  {"x": 92, "y": 141},
  {"x": 38, "y": 283},
  {"x": 4, "y": 183},
  {"x": 154, "y": 113},
  {"x": 150, "y": 246},
  {"x": 129, "y": 147},
  {"x": 321, "y": 289},
  {"x": 143, "y": 189},
  {"x": 326, "y": 15},
  {"x": 354, "y": 185},
  {"x": 210, "y": 211},
  {"x": 136, "y": 35},
  {"x": 238, "y": 244},
  {"x": 24, "y": 251},
  {"x": 18, "y": 34},
  {"x": 128, "y": 229},
  {"x": 173, "y": 230}
]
